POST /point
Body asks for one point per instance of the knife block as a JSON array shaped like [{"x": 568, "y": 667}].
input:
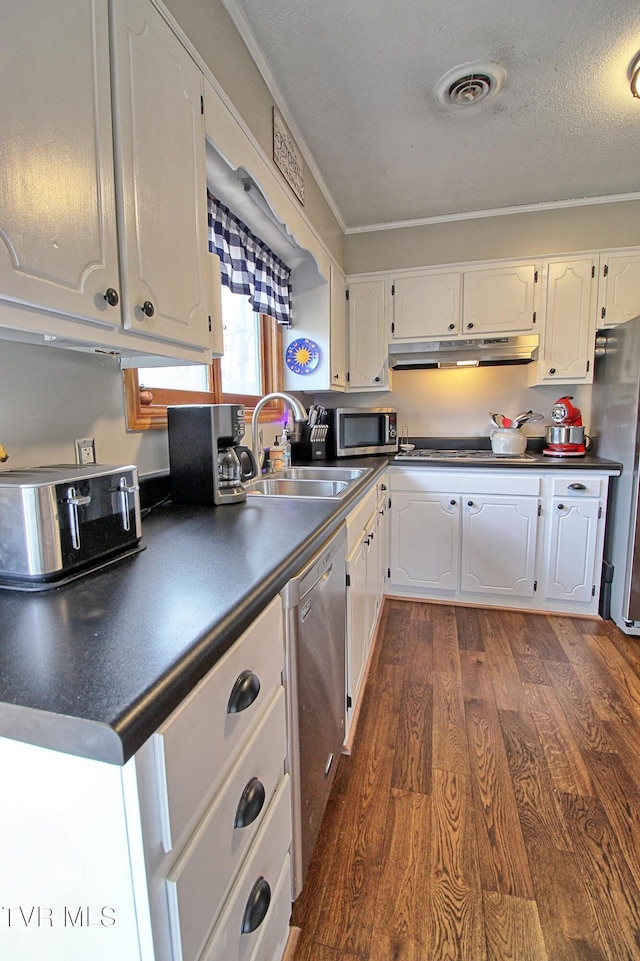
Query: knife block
[{"x": 306, "y": 451}]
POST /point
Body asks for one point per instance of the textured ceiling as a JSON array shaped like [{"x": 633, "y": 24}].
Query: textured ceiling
[{"x": 357, "y": 79}]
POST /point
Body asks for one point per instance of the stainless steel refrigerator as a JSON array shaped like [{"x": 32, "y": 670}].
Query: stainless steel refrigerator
[{"x": 615, "y": 427}]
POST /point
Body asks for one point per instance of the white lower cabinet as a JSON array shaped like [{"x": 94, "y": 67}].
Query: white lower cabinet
[
  {"x": 499, "y": 535},
  {"x": 366, "y": 569},
  {"x": 182, "y": 854},
  {"x": 506, "y": 538}
]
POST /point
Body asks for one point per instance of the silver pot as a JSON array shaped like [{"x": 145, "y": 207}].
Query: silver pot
[{"x": 564, "y": 435}]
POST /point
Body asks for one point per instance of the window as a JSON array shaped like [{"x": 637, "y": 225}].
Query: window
[{"x": 251, "y": 367}]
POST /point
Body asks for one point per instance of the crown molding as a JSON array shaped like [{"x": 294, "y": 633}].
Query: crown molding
[{"x": 496, "y": 212}]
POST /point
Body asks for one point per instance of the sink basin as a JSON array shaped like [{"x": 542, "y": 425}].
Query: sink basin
[
  {"x": 324, "y": 473},
  {"x": 308, "y": 482},
  {"x": 292, "y": 487}
]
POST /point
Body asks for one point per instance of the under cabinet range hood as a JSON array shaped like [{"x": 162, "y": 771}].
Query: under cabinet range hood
[{"x": 472, "y": 352}]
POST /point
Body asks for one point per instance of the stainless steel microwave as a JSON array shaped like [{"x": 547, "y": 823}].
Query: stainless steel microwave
[{"x": 363, "y": 430}]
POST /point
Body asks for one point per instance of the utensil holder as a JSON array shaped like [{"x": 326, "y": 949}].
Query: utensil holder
[{"x": 303, "y": 452}]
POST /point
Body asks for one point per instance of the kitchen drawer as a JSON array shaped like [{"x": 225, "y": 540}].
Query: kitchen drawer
[
  {"x": 202, "y": 877},
  {"x": 466, "y": 482},
  {"x": 587, "y": 485},
  {"x": 264, "y": 867},
  {"x": 199, "y": 742}
]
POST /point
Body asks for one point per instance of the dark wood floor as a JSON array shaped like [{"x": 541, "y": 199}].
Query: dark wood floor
[{"x": 491, "y": 806}]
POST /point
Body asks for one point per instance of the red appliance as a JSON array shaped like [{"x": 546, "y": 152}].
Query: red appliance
[{"x": 566, "y": 437}]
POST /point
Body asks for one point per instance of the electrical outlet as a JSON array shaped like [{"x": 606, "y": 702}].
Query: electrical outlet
[{"x": 85, "y": 450}]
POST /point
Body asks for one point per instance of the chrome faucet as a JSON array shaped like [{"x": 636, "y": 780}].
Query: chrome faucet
[{"x": 299, "y": 414}]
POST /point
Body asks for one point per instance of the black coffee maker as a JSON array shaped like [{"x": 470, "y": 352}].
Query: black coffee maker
[{"x": 206, "y": 461}]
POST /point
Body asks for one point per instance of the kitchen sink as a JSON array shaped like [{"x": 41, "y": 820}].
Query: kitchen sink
[
  {"x": 324, "y": 473},
  {"x": 308, "y": 482}
]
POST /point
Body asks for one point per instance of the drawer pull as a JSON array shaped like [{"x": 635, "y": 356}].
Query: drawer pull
[
  {"x": 577, "y": 487},
  {"x": 257, "y": 906},
  {"x": 250, "y": 804},
  {"x": 244, "y": 692}
]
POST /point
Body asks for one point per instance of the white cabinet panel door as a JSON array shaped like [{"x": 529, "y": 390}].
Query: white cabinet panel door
[
  {"x": 58, "y": 246},
  {"x": 426, "y": 305},
  {"x": 367, "y": 334},
  {"x": 160, "y": 134},
  {"x": 499, "y": 299},
  {"x": 425, "y": 540},
  {"x": 499, "y": 545},
  {"x": 572, "y": 549}
]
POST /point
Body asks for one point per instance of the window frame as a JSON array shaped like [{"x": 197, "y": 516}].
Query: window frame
[{"x": 145, "y": 414}]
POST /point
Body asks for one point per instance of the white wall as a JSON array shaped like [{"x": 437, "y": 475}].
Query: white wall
[
  {"x": 48, "y": 397},
  {"x": 456, "y": 403}
]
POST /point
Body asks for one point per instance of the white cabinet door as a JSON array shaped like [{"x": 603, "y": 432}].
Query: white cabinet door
[
  {"x": 498, "y": 545},
  {"x": 499, "y": 299},
  {"x": 571, "y": 555},
  {"x": 619, "y": 288},
  {"x": 569, "y": 326},
  {"x": 162, "y": 205},
  {"x": 426, "y": 305},
  {"x": 58, "y": 246},
  {"x": 424, "y": 540},
  {"x": 338, "y": 331},
  {"x": 357, "y": 631},
  {"x": 367, "y": 335}
]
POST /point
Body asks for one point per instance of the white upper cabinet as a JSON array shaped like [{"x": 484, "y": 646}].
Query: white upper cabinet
[
  {"x": 426, "y": 304},
  {"x": 103, "y": 217},
  {"x": 618, "y": 288},
  {"x": 499, "y": 299},
  {"x": 566, "y": 351},
  {"x": 338, "y": 329},
  {"x": 469, "y": 302},
  {"x": 58, "y": 246},
  {"x": 162, "y": 200},
  {"x": 367, "y": 312}
]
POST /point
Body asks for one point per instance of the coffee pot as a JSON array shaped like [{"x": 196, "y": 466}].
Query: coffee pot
[{"x": 207, "y": 463}]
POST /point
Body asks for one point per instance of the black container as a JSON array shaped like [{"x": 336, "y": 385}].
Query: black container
[{"x": 306, "y": 451}]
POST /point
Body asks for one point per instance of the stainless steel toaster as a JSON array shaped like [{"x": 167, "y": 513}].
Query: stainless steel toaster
[{"x": 64, "y": 520}]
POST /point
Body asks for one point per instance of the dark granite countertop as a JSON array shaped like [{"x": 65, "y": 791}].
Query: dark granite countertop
[{"x": 95, "y": 666}]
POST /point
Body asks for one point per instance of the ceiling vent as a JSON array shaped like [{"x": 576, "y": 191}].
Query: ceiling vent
[{"x": 470, "y": 83}]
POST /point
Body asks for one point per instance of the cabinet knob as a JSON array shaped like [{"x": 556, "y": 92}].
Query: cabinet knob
[
  {"x": 257, "y": 906},
  {"x": 552, "y": 370},
  {"x": 148, "y": 309},
  {"x": 451, "y": 327},
  {"x": 250, "y": 804},
  {"x": 244, "y": 692},
  {"x": 336, "y": 376},
  {"x": 453, "y": 503},
  {"x": 377, "y": 380},
  {"x": 469, "y": 503},
  {"x": 469, "y": 326},
  {"x": 577, "y": 487},
  {"x": 560, "y": 507},
  {"x": 111, "y": 297}
]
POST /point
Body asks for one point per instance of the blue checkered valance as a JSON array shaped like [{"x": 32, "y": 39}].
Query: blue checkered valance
[{"x": 247, "y": 265}]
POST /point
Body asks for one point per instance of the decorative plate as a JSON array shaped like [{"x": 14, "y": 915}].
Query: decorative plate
[{"x": 302, "y": 356}]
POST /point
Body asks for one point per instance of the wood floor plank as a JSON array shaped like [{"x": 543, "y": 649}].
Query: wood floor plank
[
  {"x": 446, "y": 650},
  {"x": 450, "y": 750},
  {"x": 566, "y": 913},
  {"x": 564, "y": 759},
  {"x": 469, "y": 628},
  {"x": 403, "y": 891},
  {"x": 540, "y": 815},
  {"x": 513, "y": 929},
  {"x": 412, "y": 761},
  {"x": 620, "y": 798},
  {"x": 610, "y": 885},
  {"x": 587, "y": 727},
  {"x": 621, "y": 672},
  {"x": 531, "y": 669},
  {"x": 505, "y": 678},
  {"x": 501, "y": 844},
  {"x": 347, "y": 909},
  {"x": 455, "y": 916}
]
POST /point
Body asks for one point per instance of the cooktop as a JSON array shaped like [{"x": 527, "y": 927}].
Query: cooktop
[{"x": 429, "y": 453}]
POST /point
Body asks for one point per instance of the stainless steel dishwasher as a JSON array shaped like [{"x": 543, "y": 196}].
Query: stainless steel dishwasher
[{"x": 315, "y": 617}]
